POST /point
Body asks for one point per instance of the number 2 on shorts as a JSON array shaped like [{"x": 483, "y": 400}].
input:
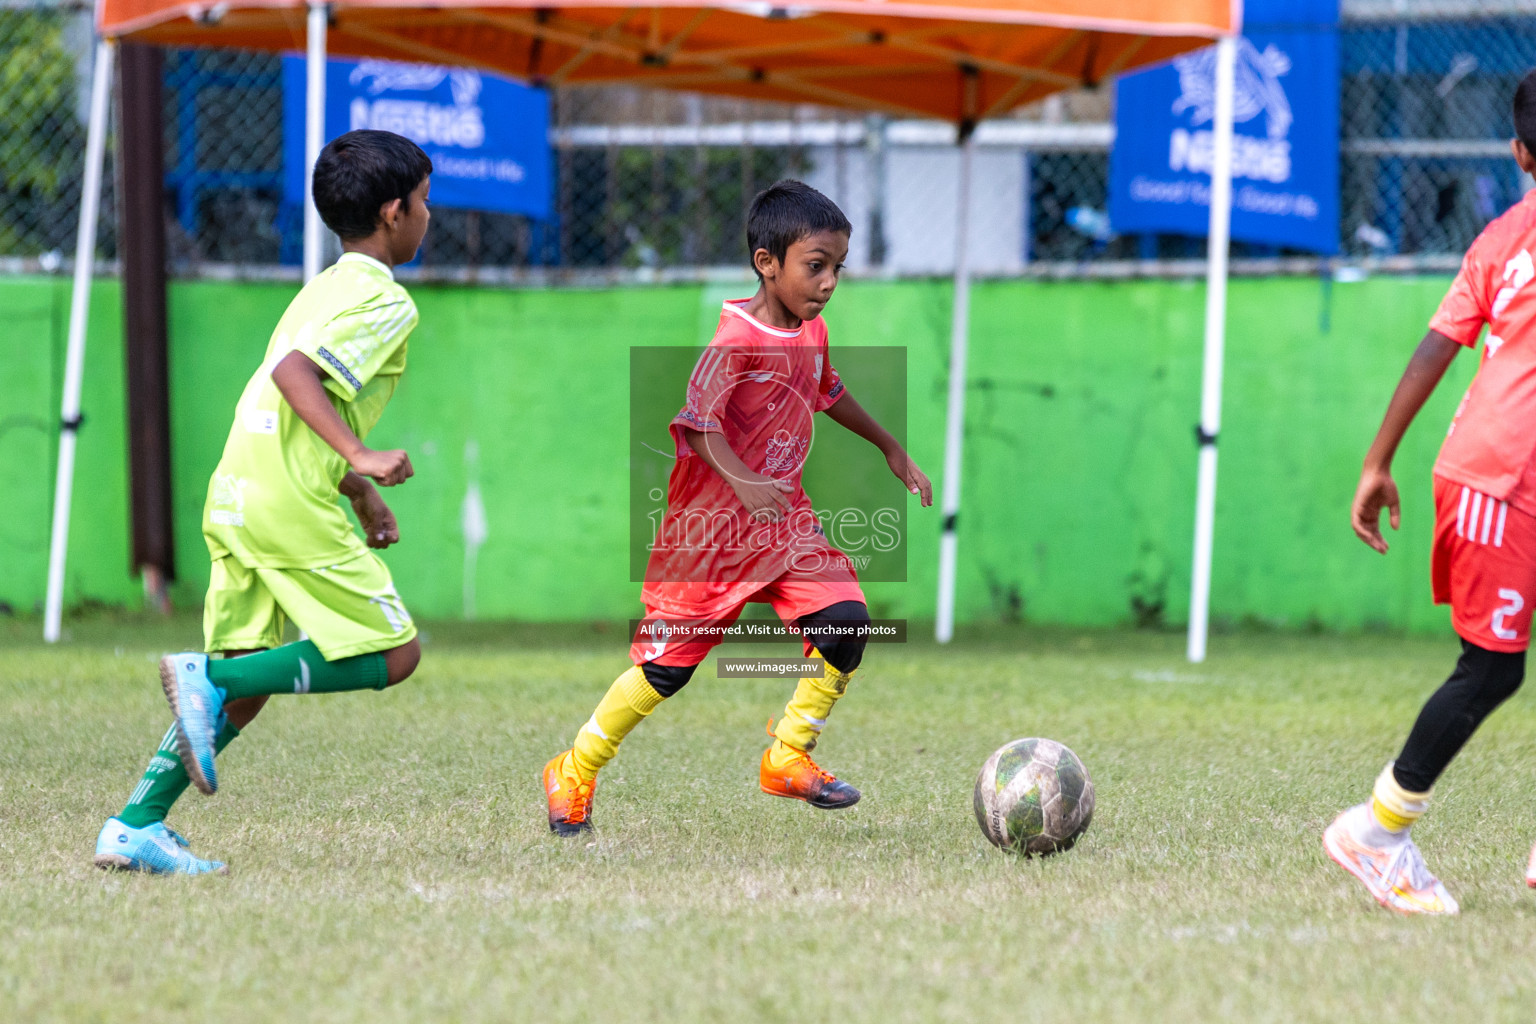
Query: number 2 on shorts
[{"x": 1514, "y": 603}]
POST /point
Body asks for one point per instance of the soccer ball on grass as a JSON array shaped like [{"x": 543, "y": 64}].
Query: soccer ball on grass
[{"x": 1034, "y": 796}]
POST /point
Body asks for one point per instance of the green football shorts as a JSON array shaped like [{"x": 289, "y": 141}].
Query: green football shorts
[{"x": 346, "y": 609}]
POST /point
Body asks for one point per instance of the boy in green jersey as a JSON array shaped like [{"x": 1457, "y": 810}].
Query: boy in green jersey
[{"x": 281, "y": 546}]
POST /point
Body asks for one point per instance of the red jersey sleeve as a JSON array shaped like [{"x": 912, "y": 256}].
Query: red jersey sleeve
[
  {"x": 830, "y": 388},
  {"x": 1466, "y": 306},
  {"x": 714, "y": 377}
]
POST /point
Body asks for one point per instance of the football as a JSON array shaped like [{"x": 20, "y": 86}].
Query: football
[{"x": 1034, "y": 796}]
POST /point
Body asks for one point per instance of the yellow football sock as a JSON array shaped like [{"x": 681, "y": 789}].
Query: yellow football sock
[
  {"x": 781, "y": 753},
  {"x": 806, "y": 713},
  {"x": 627, "y": 701},
  {"x": 1394, "y": 808}
]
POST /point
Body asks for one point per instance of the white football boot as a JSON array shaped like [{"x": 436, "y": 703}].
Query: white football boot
[{"x": 1395, "y": 875}]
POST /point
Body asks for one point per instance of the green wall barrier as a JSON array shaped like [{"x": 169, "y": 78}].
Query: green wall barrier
[{"x": 1080, "y": 455}]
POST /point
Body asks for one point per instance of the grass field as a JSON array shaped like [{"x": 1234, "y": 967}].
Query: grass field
[{"x": 390, "y": 859}]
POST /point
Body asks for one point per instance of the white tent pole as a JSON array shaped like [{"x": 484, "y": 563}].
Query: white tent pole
[
  {"x": 79, "y": 313},
  {"x": 314, "y": 130},
  {"x": 1215, "y": 341},
  {"x": 959, "y": 339}
]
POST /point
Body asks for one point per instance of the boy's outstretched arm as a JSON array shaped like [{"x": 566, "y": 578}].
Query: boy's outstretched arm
[
  {"x": 379, "y": 527},
  {"x": 847, "y": 412},
  {"x": 766, "y": 498},
  {"x": 1377, "y": 488},
  {"x": 302, "y": 384}
]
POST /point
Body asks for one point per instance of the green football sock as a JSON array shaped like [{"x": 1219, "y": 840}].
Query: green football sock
[
  {"x": 164, "y": 781},
  {"x": 296, "y": 668}
]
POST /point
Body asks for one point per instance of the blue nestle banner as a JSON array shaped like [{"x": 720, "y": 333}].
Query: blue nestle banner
[
  {"x": 488, "y": 137},
  {"x": 1285, "y": 147}
]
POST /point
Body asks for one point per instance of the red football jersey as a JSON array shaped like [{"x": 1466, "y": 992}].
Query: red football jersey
[
  {"x": 760, "y": 388},
  {"x": 1492, "y": 440}
]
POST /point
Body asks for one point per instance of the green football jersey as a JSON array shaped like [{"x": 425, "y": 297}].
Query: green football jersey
[{"x": 272, "y": 502}]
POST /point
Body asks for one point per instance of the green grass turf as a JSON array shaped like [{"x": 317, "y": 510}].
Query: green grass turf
[{"x": 391, "y": 861}]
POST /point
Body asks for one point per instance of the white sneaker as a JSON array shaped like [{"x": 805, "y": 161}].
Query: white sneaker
[
  {"x": 1395, "y": 875},
  {"x": 1530, "y": 869}
]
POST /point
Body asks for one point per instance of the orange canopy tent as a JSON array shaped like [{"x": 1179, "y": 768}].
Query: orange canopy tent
[
  {"x": 903, "y": 58},
  {"x": 959, "y": 60}
]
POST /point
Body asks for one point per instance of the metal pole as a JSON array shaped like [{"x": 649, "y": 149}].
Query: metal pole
[
  {"x": 959, "y": 337},
  {"x": 1215, "y": 340},
  {"x": 79, "y": 312},
  {"x": 314, "y": 130},
  {"x": 874, "y": 158}
]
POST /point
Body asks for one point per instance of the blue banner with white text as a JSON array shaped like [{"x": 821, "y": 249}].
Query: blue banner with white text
[
  {"x": 488, "y": 137},
  {"x": 1285, "y": 146}
]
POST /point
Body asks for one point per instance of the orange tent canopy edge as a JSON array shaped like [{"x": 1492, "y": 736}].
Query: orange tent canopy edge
[{"x": 960, "y": 60}]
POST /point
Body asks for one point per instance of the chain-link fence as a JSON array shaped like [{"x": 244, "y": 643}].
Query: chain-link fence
[
  {"x": 1425, "y": 109},
  {"x": 45, "y": 54},
  {"x": 650, "y": 183}
]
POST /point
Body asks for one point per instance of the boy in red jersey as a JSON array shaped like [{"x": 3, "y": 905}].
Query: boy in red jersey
[
  {"x": 739, "y": 527},
  {"x": 1484, "y": 562}
]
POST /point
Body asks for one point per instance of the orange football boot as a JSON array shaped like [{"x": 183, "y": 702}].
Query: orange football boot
[
  {"x": 803, "y": 779},
  {"x": 570, "y": 797}
]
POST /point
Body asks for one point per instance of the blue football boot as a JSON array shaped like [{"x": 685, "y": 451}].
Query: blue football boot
[
  {"x": 153, "y": 848},
  {"x": 199, "y": 709}
]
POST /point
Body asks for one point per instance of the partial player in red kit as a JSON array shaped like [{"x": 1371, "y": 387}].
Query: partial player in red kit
[
  {"x": 739, "y": 527},
  {"x": 1484, "y": 563}
]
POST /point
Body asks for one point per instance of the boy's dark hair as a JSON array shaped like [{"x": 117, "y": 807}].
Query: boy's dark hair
[
  {"x": 361, "y": 171},
  {"x": 787, "y": 211},
  {"x": 1525, "y": 111}
]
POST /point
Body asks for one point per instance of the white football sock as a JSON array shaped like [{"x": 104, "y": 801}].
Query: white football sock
[{"x": 1370, "y": 832}]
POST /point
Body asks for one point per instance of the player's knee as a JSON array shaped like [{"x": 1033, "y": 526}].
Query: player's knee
[
  {"x": 839, "y": 632},
  {"x": 402, "y": 661},
  {"x": 667, "y": 679},
  {"x": 1495, "y": 675},
  {"x": 843, "y": 655}
]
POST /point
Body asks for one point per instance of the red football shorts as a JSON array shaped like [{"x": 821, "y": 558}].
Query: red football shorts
[
  {"x": 1484, "y": 566},
  {"x": 790, "y": 598}
]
